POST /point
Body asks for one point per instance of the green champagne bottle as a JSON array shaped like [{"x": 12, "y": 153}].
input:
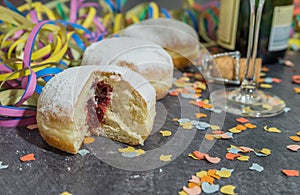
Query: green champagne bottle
[{"x": 276, "y": 24}]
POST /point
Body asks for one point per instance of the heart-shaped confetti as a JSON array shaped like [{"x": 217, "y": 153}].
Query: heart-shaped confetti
[
  {"x": 242, "y": 120},
  {"x": 196, "y": 190},
  {"x": 293, "y": 147},
  {"x": 83, "y": 152},
  {"x": 290, "y": 173},
  {"x": 165, "y": 158},
  {"x": 256, "y": 167},
  {"x": 165, "y": 133},
  {"x": 209, "y": 188},
  {"x": 228, "y": 189}
]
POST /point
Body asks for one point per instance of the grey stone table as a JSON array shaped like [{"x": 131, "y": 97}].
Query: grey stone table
[{"x": 105, "y": 171}]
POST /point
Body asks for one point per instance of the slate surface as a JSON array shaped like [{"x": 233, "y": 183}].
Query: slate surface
[{"x": 105, "y": 171}]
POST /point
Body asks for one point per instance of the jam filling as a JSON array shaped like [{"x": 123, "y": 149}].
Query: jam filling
[
  {"x": 102, "y": 98},
  {"x": 97, "y": 107}
]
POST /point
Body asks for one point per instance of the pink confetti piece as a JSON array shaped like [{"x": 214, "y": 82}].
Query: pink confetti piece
[
  {"x": 196, "y": 190},
  {"x": 293, "y": 147},
  {"x": 195, "y": 179},
  {"x": 214, "y": 160}
]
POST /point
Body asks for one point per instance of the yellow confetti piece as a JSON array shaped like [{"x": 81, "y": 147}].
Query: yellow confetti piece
[
  {"x": 193, "y": 156},
  {"x": 139, "y": 152},
  {"x": 228, "y": 189},
  {"x": 297, "y": 89},
  {"x": 201, "y": 173},
  {"x": 215, "y": 127},
  {"x": 165, "y": 158},
  {"x": 224, "y": 173},
  {"x": 182, "y": 193},
  {"x": 265, "y": 151},
  {"x": 165, "y": 133},
  {"x": 127, "y": 150},
  {"x": 65, "y": 193},
  {"x": 187, "y": 125},
  {"x": 295, "y": 138},
  {"x": 243, "y": 158},
  {"x": 266, "y": 86},
  {"x": 209, "y": 137},
  {"x": 200, "y": 115},
  {"x": 88, "y": 140},
  {"x": 234, "y": 130},
  {"x": 250, "y": 126},
  {"x": 272, "y": 129},
  {"x": 298, "y": 133}
]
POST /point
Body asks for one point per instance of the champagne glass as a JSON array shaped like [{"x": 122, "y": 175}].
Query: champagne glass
[{"x": 247, "y": 99}]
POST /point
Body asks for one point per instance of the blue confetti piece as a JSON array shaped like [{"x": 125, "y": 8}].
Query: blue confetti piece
[
  {"x": 234, "y": 150},
  {"x": 3, "y": 166},
  {"x": 183, "y": 120},
  {"x": 83, "y": 152},
  {"x": 229, "y": 134},
  {"x": 129, "y": 154},
  {"x": 286, "y": 109},
  {"x": 256, "y": 167},
  {"x": 209, "y": 189},
  {"x": 268, "y": 80},
  {"x": 260, "y": 154}
]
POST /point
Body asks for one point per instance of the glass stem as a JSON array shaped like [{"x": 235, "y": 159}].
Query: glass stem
[{"x": 248, "y": 84}]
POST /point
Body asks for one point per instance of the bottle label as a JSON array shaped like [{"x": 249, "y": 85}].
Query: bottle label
[{"x": 281, "y": 25}]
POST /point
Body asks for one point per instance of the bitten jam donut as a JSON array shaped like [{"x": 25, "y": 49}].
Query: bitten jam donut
[
  {"x": 142, "y": 56},
  {"x": 109, "y": 100},
  {"x": 176, "y": 37}
]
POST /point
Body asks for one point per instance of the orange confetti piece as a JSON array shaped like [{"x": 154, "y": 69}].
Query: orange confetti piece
[
  {"x": 174, "y": 93},
  {"x": 297, "y": 89},
  {"x": 175, "y": 119},
  {"x": 231, "y": 156},
  {"x": 265, "y": 69},
  {"x": 196, "y": 190},
  {"x": 209, "y": 137},
  {"x": 192, "y": 184},
  {"x": 295, "y": 138},
  {"x": 250, "y": 126},
  {"x": 199, "y": 155},
  {"x": 212, "y": 173},
  {"x": 28, "y": 157},
  {"x": 276, "y": 80},
  {"x": 88, "y": 140},
  {"x": 207, "y": 178},
  {"x": 242, "y": 120},
  {"x": 217, "y": 132},
  {"x": 290, "y": 173},
  {"x": 31, "y": 127},
  {"x": 245, "y": 149},
  {"x": 298, "y": 133},
  {"x": 241, "y": 127},
  {"x": 200, "y": 115}
]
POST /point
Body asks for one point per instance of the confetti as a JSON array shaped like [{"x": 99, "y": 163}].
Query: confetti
[
  {"x": 246, "y": 149},
  {"x": 228, "y": 189},
  {"x": 83, "y": 152},
  {"x": 297, "y": 89},
  {"x": 242, "y": 120},
  {"x": 290, "y": 173},
  {"x": 250, "y": 126},
  {"x": 200, "y": 115},
  {"x": 241, "y": 127},
  {"x": 268, "y": 80},
  {"x": 201, "y": 173},
  {"x": 212, "y": 173},
  {"x": 286, "y": 109},
  {"x": 296, "y": 79},
  {"x": 234, "y": 130},
  {"x": 276, "y": 80},
  {"x": 165, "y": 133},
  {"x": 195, "y": 179},
  {"x": 3, "y": 166},
  {"x": 165, "y": 158},
  {"x": 231, "y": 156},
  {"x": 182, "y": 193},
  {"x": 88, "y": 140},
  {"x": 234, "y": 150},
  {"x": 199, "y": 155},
  {"x": 215, "y": 127},
  {"x": 209, "y": 137},
  {"x": 272, "y": 129},
  {"x": 209, "y": 188},
  {"x": 196, "y": 190},
  {"x": 128, "y": 149},
  {"x": 256, "y": 167},
  {"x": 65, "y": 193},
  {"x": 243, "y": 158},
  {"x": 293, "y": 148},
  {"x": 28, "y": 157},
  {"x": 295, "y": 138},
  {"x": 129, "y": 154},
  {"x": 213, "y": 160},
  {"x": 265, "y": 86},
  {"x": 225, "y": 173},
  {"x": 140, "y": 152},
  {"x": 226, "y": 135},
  {"x": 207, "y": 178},
  {"x": 31, "y": 127},
  {"x": 265, "y": 151},
  {"x": 298, "y": 133}
]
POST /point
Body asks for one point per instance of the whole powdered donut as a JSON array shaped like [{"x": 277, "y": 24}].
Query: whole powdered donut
[
  {"x": 178, "y": 38},
  {"x": 111, "y": 101},
  {"x": 142, "y": 56}
]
